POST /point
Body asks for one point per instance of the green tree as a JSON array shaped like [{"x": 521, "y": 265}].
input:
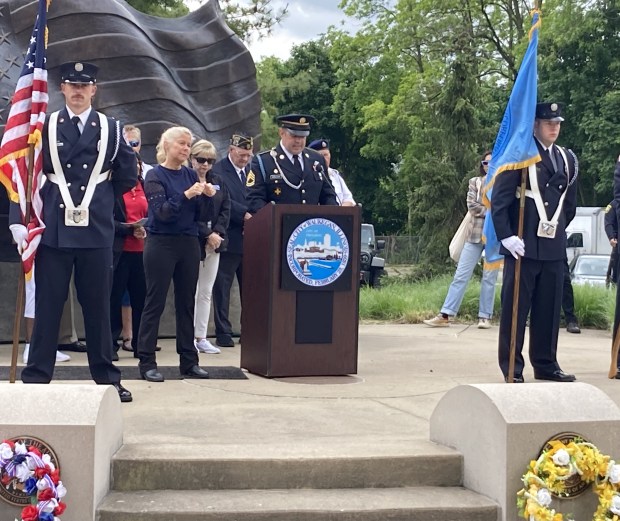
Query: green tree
[{"x": 163, "y": 8}]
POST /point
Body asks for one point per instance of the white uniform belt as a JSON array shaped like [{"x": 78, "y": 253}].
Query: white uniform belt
[
  {"x": 103, "y": 176},
  {"x": 528, "y": 193}
]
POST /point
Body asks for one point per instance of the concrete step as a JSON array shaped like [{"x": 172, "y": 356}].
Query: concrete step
[
  {"x": 390, "y": 463},
  {"x": 385, "y": 504}
]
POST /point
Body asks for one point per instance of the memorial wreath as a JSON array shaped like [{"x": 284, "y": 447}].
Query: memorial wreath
[
  {"x": 548, "y": 475},
  {"x": 39, "y": 477}
]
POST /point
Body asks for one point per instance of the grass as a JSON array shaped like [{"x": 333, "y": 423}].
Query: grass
[{"x": 412, "y": 302}]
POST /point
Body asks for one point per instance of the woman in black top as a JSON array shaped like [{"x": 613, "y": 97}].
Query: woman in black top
[{"x": 176, "y": 199}]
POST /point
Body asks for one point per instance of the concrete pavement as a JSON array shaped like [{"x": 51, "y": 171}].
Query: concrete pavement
[{"x": 404, "y": 370}]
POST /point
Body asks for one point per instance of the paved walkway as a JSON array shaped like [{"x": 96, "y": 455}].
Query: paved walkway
[{"x": 404, "y": 370}]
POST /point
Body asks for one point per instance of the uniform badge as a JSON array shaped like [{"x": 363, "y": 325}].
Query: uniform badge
[
  {"x": 277, "y": 191},
  {"x": 79, "y": 67},
  {"x": 251, "y": 179}
]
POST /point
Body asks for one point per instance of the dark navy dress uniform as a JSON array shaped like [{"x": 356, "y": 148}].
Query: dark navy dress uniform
[
  {"x": 231, "y": 260},
  {"x": 270, "y": 171},
  {"x": 85, "y": 249},
  {"x": 542, "y": 269}
]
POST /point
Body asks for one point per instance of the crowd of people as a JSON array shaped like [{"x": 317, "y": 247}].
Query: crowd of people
[{"x": 120, "y": 231}]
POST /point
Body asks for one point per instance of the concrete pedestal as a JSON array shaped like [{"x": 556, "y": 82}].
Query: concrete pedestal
[
  {"x": 500, "y": 428},
  {"x": 81, "y": 423}
]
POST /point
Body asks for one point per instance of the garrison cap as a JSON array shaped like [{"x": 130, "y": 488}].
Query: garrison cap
[
  {"x": 78, "y": 72},
  {"x": 242, "y": 141},
  {"x": 319, "y": 144},
  {"x": 296, "y": 124},
  {"x": 550, "y": 111}
]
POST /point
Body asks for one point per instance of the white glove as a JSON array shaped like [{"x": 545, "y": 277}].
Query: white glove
[
  {"x": 514, "y": 245},
  {"x": 20, "y": 234}
]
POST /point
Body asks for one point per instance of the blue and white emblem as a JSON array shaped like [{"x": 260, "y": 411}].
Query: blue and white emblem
[{"x": 317, "y": 252}]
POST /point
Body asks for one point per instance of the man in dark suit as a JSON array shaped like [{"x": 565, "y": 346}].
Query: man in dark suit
[
  {"x": 290, "y": 173},
  {"x": 550, "y": 206},
  {"x": 233, "y": 172},
  {"x": 87, "y": 165}
]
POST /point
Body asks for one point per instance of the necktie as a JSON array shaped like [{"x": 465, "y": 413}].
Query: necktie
[
  {"x": 76, "y": 121},
  {"x": 297, "y": 165},
  {"x": 552, "y": 157},
  {"x": 242, "y": 176}
]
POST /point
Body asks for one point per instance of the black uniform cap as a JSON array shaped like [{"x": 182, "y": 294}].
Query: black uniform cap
[
  {"x": 319, "y": 144},
  {"x": 296, "y": 124},
  {"x": 78, "y": 72},
  {"x": 550, "y": 111}
]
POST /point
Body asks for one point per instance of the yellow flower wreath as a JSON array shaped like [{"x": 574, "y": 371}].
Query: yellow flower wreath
[{"x": 548, "y": 474}]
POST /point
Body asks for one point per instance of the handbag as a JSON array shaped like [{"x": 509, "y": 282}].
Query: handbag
[{"x": 460, "y": 237}]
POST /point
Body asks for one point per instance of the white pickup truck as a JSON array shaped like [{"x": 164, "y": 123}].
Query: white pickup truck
[{"x": 586, "y": 233}]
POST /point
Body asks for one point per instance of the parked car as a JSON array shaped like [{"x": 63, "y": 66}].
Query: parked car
[
  {"x": 589, "y": 269},
  {"x": 372, "y": 266}
]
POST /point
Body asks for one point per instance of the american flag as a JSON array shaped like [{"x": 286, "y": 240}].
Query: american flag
[{"x": 23, "y": 128}]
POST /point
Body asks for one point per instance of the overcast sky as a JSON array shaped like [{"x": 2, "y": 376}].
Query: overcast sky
[{"x": 306, "y": 19}]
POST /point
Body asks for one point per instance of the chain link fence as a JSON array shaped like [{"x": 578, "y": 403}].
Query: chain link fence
[{"x": 401, "y": 249}]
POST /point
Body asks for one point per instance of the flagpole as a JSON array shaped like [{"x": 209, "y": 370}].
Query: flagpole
[
  {"x": 517, "y": 283},
  {"x": 21, "y": 282}
]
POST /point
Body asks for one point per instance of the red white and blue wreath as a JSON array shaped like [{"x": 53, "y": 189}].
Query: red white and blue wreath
[{"x": 39, "y": 478}]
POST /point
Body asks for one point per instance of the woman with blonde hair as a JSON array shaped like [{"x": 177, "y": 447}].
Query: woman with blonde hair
[
  {"x": 176, "y": 199},
  {"x": 216, "y": 217}
]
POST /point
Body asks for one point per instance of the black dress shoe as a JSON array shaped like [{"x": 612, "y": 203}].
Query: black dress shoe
[
  {"x": 573, "y": 327},
  {"x": 123, "y": 393},
  {"x": 617, "y": 377},
  {"x": 225, "y": 341},
  {"x": 517, "y": 379},
  {"x": 153, "y": 375},
  {"x": 195, "y": 372},
  {"x": 556, "y": 376},
  {"x": 115, "y": 356},
  {"x": 77, "y": 347}
]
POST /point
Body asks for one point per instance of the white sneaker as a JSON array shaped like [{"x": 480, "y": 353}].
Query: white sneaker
[
  {"x": 62, "y": 357},
  {"x": 484, "y": 323},
  {"x": 204, "y": 346}
]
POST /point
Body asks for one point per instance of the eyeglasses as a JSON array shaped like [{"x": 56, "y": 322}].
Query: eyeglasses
[
  {"x": 134, "y": 144},
  {"x": 484, "y": 163},
  {"x": 203, "y": 160}
]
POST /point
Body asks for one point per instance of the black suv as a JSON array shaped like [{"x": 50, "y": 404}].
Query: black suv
[{"x": 372, "y": 266}]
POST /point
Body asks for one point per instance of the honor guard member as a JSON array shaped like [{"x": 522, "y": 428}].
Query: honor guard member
[
  {"x": 343, "y": 194},
  {"x": 87, "y": 165},
  {"x": 550, "y": 206},
  {"x": 290, "y": 173}
]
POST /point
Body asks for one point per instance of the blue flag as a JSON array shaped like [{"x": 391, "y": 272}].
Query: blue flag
[{"x": 515, "y": 146}]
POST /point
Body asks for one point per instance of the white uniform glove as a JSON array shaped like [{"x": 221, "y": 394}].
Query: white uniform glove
[
  {"x": 514, "y": 245},
  {"x": 20, "y": 234}
]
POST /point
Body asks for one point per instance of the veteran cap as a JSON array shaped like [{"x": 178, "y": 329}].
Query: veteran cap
[
  {"x": 296, "y": 124},
  {"x": 78, "y": 72},
  {"x": 319, "y": 144},
  {"x": 242, "y": 141},
  {"x": 550, "y": 111}
]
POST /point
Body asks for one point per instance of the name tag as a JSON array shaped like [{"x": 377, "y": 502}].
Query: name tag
[
  {"x": 275, "y": 176},
  {"x": 76, "y": 217},
  {"x": 546, "y": 229}
]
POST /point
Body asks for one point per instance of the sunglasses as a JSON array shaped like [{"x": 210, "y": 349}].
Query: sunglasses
[
  {"x": 203, "y": 160},
  {"x": 134, "y": 144},
  {"x": 484, "y": 163}
]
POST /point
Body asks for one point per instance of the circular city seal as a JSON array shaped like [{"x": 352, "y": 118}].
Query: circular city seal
[
  {"x": 574, "y": 485},
  {"x": 317, "y": 252},
  {"x": 12, "y": 491}
]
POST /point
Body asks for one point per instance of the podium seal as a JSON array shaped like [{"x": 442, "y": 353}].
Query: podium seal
[{"x": 317, "y": 252}]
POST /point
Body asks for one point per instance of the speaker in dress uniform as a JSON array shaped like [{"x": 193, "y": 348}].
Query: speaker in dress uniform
[
  {"x": 290, "y": 173},
  {"x": 87, "y": 165},
  {"x": 550, "y": 204}
]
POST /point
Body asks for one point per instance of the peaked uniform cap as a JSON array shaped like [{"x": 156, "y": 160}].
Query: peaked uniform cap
[{"x": 78, "y": 72}]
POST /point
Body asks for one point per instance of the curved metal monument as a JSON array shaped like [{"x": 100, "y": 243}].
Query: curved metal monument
[{"x": 154, "y": 72}]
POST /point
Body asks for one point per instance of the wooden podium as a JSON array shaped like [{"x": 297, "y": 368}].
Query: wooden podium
[{"x": 301, "y": 291}]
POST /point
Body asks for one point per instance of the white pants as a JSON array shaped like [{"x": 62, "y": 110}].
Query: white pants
[
  {"x": 30, "y": 288},
  {"x": 206, "y": 278}
]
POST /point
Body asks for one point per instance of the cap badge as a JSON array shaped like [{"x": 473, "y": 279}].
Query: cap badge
[
  {"x": 323, "y": 144},
  {"x": 302, "y": 120},
  {"x": 554, "y": 107},
  {"x": 79, "y": 67}
]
